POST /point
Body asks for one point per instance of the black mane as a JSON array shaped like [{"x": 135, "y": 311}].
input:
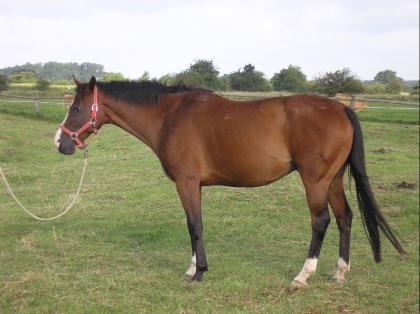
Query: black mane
[{"x": 140, "y": 91}]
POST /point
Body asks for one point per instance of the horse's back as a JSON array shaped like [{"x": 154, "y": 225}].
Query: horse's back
[{"x": 242, "y": 143}]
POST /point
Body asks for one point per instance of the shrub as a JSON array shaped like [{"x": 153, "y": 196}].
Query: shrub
[
  {"x": 340, "y": 81},
  {"x": 385, "y": 77},
  {"x": 4, "y": 82},
  {"x": 415, "y": 89},
  {"x": 291, "y": 79},
  {"x": 42, "y": 85},
  {"x": 113, "y": 76},
  {"x": 202, "y": 72},
  {"x": 394, "y": 87},
  {"x": 23, "y": 77},
  {"x": 248, "y": 79},
  {"x": 374, "y": 88}
]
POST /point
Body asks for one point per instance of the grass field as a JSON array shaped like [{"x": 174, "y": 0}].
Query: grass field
[{"x": 125, "y": 246}]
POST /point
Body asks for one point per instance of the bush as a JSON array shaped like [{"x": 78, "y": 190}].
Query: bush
[
  {"x": 248, "y": 79},
  {"x": 394, "y": 87},
  {"x": 291, "y": 79},
  {"x": 415, "y": 89},
  {"x": 145, "y": 76},
  {"x": 386, "y": 76},
  {"x": 4, "y": 82},
  {"x": 168, "y": 79},
  {"x": 113, "y": 76},
  {"x": 42, "y": 85},
  {"x": 374, "y": 88},
  {"x": 340, "y": 81},
  {"x": 23, "y": 77},
  {"x": 201, "y": 72}
]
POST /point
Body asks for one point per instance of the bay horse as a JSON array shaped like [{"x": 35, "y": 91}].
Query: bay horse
[{"x": 203, "y": 139}]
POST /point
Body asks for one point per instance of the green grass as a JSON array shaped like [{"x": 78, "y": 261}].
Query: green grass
[
  {"x": 125, "y": 246},
  {"x": 390, "y": 113},
  {"x": 49, "y": 110}
]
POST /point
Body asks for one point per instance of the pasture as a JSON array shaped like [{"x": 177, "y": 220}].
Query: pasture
[{"x": 125, "y": 247}]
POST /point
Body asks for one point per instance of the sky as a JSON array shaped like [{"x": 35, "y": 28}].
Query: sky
[{"x": 165, "y": 36}]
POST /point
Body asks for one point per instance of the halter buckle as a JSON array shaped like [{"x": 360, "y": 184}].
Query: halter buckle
[{"x": 73, "y": 135}]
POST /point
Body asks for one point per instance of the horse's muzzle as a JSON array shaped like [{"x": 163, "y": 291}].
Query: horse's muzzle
[{"x": 67, "y": 150}]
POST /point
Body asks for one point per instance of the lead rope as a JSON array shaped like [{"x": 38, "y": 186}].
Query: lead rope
[{"x": 85, "y": 162}]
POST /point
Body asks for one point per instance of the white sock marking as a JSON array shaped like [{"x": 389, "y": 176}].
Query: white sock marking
[
  {"x": 308, "y": 269},
  {"x": 191, "y": 271},
  {"x": 342, "y": 268}
]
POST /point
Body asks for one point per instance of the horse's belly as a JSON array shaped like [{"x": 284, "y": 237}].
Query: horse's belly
[{"x": 248, "y": 171}]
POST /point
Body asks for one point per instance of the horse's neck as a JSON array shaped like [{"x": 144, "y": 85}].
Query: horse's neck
[{"x": 142, "y": 121}]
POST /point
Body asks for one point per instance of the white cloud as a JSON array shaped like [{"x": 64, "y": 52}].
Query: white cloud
[{"x": 166, "y": 36}]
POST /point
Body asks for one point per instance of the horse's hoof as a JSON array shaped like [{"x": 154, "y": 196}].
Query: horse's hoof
[
  {"x": 339, "y": 280},
  {"x": 294, "y": 285},
  {"x": 198, "y": 276},
  {"x": 190, "y": 273}
]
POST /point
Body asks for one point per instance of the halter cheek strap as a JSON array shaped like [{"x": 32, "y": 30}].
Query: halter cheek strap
[{"x": 91, "y": 123}]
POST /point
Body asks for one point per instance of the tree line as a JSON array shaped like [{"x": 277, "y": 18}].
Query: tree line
[{"x": 204, "y": 73}]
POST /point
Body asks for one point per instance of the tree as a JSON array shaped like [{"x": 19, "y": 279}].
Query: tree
[
  {"x": 42, "y": 85},
  {"x": 395, "y": 86},
  {"x": 87, "y": 70},
  {"x": 113, "y": 76},
  {"x": 167, "y": 79},
  {"x": 375, "y": 88},
  {"x": 291, "y": 79},
  {"x": 248, "y": 79},
  {"x": 145, "y": 76},
  {"x": 59, "y": 71},
  {"x": 202, "y": 72},
  {"x": 385, "y": 77},
  {"x": 340, "y": 81},
  {"x": 4, "y": 82},
  {"x": 24, "y": 77},
  {"x": 415, "y": 89}
]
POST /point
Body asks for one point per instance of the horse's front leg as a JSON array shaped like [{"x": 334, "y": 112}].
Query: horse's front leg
[{"x": 189, "y": 191}]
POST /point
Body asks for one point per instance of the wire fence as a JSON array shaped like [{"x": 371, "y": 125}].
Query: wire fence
[
  {"x": 37, "y": 101},
  {"x": 410, "y": 105}
]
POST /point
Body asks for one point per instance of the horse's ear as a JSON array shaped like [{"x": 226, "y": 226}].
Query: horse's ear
[
  {"x": 76, "y": 81},
  {"x": 92, "y": 83}
]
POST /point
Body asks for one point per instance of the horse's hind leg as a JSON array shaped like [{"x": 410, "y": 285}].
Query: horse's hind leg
[
  {"x": 343, "y": 216},
  {"x": 189, "y": 191},
  {"x": 316, "y": 194}
]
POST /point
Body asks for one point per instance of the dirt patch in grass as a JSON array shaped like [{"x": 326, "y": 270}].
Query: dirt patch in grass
[
  {"x": 391, "y": 209},
  {"x": 379, "y": 151},
  {"x": 406, "y": 185}
]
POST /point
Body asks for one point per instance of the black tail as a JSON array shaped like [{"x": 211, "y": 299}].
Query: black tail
[{"x": 371, "y": 215}]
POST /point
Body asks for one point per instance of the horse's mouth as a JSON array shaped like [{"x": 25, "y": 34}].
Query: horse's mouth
[{"x": 70, "y": 150}]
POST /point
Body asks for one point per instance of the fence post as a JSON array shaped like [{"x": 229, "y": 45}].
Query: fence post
[
  {"x": 36, "y": 103},
  {"x": 353, "y": 102}
]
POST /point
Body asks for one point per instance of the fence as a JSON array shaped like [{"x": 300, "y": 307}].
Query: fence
[
  {"x": 38, "y": 101},
  {"x": 255, "y": 95}
]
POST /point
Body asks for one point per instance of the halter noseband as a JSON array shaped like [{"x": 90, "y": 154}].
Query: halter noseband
[{"x": 91, "y": 123}]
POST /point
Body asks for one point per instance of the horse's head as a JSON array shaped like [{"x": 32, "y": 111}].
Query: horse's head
[{"x": 81, "y": 120}]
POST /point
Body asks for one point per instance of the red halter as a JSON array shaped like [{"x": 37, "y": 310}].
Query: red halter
[{"x": 91, "y": 123}]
